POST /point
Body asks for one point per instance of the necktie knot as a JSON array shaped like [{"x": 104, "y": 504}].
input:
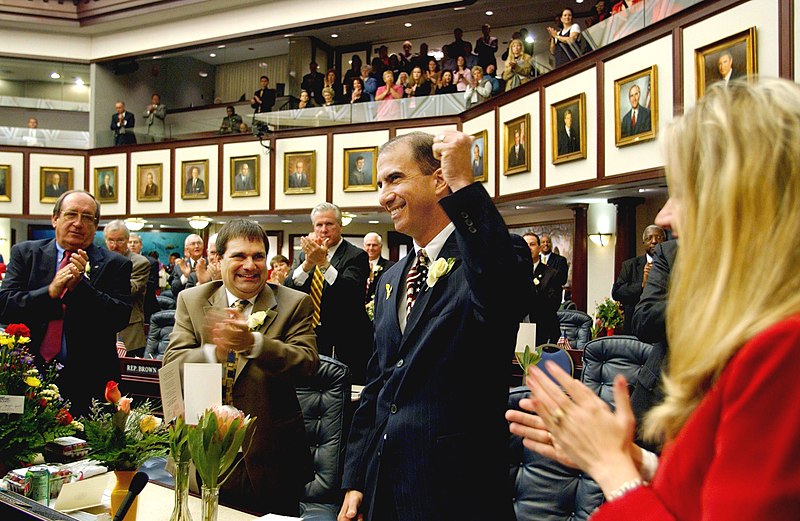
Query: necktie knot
[{"x": 240, "y": 305}]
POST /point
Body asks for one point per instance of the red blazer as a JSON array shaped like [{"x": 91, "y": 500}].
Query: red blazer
[{"x": 737, "y": 455}]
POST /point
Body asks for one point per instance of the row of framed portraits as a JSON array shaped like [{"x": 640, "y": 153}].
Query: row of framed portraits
[{"x": 635, "y": 105}]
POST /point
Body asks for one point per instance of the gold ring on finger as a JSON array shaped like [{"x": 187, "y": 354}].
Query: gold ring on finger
[{"x": 558, "y": 416}]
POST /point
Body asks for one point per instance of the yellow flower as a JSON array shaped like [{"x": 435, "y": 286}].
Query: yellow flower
[
  {"x": 32, "y": 381},
  {"x": 149, "y": 423},
  {"x": 388, "y": 291},
  {"x": 439, "y": 269},
  {"x": 256, "y": 319}
]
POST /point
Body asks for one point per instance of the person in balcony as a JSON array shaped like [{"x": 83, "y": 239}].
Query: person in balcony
[
  {"x": 479, "y": 89},
  {"x": 305, "y": 100},
  {"x": 418, "y": 84},
  {"x": 731, "y": 438},
  {"x": 357, "y": 94},
  {"x": 230, "y": 123},
  {"x": 432, "y": 72},
  {"x": 447, "y": 86},
  {"x": 388, "y": 93},
  {"x": 563, "y": 42},
  {"x": 461, "y": 75},
  {"x": 370, "y": 83},
  {"x": 517, "y": 68},
  {"x": 328, "y": 96},
  {"x": 332, "y": 82},
  {"x": 353, "y": 72}
]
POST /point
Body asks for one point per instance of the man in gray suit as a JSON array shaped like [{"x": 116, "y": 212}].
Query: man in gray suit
[
  {"x": 116, "y": 235},
  {"x": 154, "y": 116}
]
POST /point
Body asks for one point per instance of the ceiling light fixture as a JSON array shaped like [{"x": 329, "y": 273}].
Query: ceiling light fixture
[
  {"x": 334, "y": 35},
  {"x": 203, "y": 74},
  {"x": 55, "y": 75},
  {"x": 288, "y": 35},
  {"x": 198, "y": 222},
  {"x": 79, "y": 82},
  {"x": 135, "y": 224},
  {"x": 286, "y": 221},
  {"x": 369, "y": 22},
  {"x": 408, "y": 24},
  {"x": 220, "y": 46},
  {"x": 347, "y": 218},
  {"x": 374, "y": 222},
  {"x": 213, "y": 55},
  {"x": 459, "y": 8},
  {"x": 489, "y": 13}
]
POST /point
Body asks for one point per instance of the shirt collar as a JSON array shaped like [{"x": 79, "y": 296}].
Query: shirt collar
[
  {"x": 649, "y": 258},
  {"x": 332, "y": 249},
  {"x": 434, "y": 247}
]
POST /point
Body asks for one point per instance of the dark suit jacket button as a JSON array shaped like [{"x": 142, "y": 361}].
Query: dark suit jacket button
[
  {"x": 400, "y": 363},
  {"x": 393, "y": 409}
]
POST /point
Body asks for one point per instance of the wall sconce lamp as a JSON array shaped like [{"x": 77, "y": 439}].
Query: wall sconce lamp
[
  {"x": 601, "y": 239},
  {"x": 347, "y": 218},
  {"x": 199, "y": 222},
  {"x": 135, "y": 224}
]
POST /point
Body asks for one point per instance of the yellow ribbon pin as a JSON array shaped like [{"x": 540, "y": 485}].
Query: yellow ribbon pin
[{"x": 388, "y": 291}]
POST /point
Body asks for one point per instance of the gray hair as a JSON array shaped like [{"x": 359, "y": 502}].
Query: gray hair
[
  {"x": 652, "y": 228},
  {"x": 327, "y": 207},
  {"x": 117, "y": 225}
]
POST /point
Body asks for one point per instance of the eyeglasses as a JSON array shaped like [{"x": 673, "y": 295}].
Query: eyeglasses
[
  {"x": 120, "y": 242},
  {"x": 84, "y": 217}
]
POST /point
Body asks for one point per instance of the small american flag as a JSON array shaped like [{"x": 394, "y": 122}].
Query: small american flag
[{"x": 121, "y": 350}]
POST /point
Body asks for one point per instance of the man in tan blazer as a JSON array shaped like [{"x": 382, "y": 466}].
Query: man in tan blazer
[
  {"x": 272, "y": 353},
  {"x": 116, "y": 235}
]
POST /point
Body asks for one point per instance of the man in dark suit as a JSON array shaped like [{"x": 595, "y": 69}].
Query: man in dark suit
[
  {"x": 150, "y": 300},
  {"x": 725, "y": 67},
  {"x": 516, "y": 154},
  {"x": 185, "y": 275},
  {"x": 633, "y": 275},
  {"x": 341, "y": 269},
  {"x": 313, "y": 83},
  {"x": 151, "y": 188},
  {"x": 637, "y": 120},
  {"x": 546, "y": 295},
  {"x": 554, "y": 260},
  {"x": 195, "y": 185},
  {"x": 73, "y": 296},
  {"x": 298, "y": 178},
  {"x": 122, "y": 124},
  {"x": 360, "y": 176},
  {"x": 106, "y": 189},
  {"x": 373, "y": 245},
  {"x": 266, "y": 359},
  {"x": 54, "y": 188},
  {"x": 116, "y": 235},
  {"x": 424, "y": 443},
  {"x": 264, "y": 98},
  {"x": 568, "y": 139},
  {"x": 244, "y": 179},
  {"x": 477, "y": 162}
]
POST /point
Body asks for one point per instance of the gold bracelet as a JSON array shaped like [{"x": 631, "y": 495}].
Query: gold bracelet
[{"x": 623, "y": 489}]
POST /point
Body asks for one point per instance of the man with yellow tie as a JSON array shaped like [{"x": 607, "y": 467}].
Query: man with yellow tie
[
  {"x": 262, "y": 335},
  {"x": 373, "y": 245},
  {"x": 334, "y": 273}
]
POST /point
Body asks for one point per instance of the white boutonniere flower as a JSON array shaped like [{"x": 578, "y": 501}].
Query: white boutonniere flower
[
  {"x": 377, "y": 268},
  {"x": 536, "y": 281},
  {"x": 388, "y": 291},
  {"x": 255, "y": 320},
  {"x": 87, "y": 271},
  {"x": 439, "y": 269}
]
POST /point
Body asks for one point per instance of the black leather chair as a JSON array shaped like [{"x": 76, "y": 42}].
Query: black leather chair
[
  {"x": 325, "y": 400},
  {"x": 577, "y": 325},
  {"x": 548, "y": 491},
  {"x": 167, "y": 293},
  {"x": 161, "y": 324},
  {"x": 165, "y": 302}
]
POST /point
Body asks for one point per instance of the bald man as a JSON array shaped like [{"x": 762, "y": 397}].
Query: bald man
[{"x": 373, "y": 245}]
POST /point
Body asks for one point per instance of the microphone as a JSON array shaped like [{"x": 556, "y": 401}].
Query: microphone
[{"x": 137, "y": 484}]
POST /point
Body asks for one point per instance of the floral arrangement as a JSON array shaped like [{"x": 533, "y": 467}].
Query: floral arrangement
[
  {"x": 124, "y": 437},
  {"x": 44, "y": 412},
  {"x": 215, "y": 441},
  {"x": 370, "y": 307},
  {"x": 608, "y": 315}
]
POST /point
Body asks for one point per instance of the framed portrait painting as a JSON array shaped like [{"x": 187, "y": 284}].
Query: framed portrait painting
[
  {"x": 479, "y": 159},
  {"x": 194, "y": 179},
  {"x": 636, "y": 107},
  {"x": 360, "y": 169},
  {"x": 54, "y": 182},
  {"x": 106, "y": 181},
  {"x": 725, "y": 60},
  {"x": 299, "y": 172},
  {"x": 5, "y": 183},
  {"x": 568, "y": 122},
  {"x": 245, "y": 176},
  {"x": 149, "y": 182},
  {"x": 517, "y": 145}
]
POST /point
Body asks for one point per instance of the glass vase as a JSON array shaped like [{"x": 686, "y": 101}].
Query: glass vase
[
  {"x": 181, "y": 510},
  {"x": 210, "y": 503},
  {"x": 119, "y": 492}
]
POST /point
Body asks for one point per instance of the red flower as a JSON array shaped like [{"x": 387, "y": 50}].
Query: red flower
[
  {"x": 42, "y": 402},
  {"x": 112, "y": 394},
  {"x": 18, "y": 330},
  {"x": 63, "y": 417}
]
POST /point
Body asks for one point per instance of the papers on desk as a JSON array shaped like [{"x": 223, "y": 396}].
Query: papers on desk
[
  {"x": 81, "y": 495},
  {"x": 276, "y": 517},
  {"x": 202, "y": 389}
]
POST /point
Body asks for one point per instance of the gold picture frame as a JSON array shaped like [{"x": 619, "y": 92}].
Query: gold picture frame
[
  {"x": 360, "y": 171},
  {"x": 569, "y": 113},
  {"x": 640, "y": 89},
  {"x": 517, "y": 160},
  {"x": 479, "y": 159},
  {"x": 50, "y": 187},
  {"x": 246, "y": 176},
  {"x": 106, "y": 192},
  {"x": 5, "y": 183},
  {"x": 734, "y": 56},
  {"x": 303, "y": 181},
  {"x": 192, "y": 188},
  {"x": 149, "y": 182}
]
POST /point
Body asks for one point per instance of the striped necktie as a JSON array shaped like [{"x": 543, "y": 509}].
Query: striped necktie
[
  {"x": 416, "y": 276},
  {"x": 233, "y": 360},
  {"x": 317, "y": 282}
]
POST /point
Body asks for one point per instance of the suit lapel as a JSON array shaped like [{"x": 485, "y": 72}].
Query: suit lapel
[
  {"x": 397, "y": 281},
  {"x": 266, "y": 302},
  {"x": 338, "y": 257},
  {"x": 46, "y": 269}
]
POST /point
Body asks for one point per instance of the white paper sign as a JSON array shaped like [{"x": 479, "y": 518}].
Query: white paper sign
[
  {"x": 169, "y": 381},
  {"x": 82, "y": 494},
  {"x": 202, "y": 389},
  {"x": 526, "y": 336},
  {"x": 12, "y": 404}
]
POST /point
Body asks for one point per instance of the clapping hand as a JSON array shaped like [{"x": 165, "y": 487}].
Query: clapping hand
[
  {"x": 452, "y": 148},
  {"x": 316, "y": 250},
  {"x": 185, "y": 266}
]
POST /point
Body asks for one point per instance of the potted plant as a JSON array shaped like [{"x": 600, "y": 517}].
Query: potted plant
[{"x": 609, "y": 315}]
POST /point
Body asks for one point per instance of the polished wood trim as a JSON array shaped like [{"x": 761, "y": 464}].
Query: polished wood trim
[
  {"x": 173, "y": 172},
  {"x": 220, "y": 175},
  {"x": 580, "y": 256},
  {"x": 786, "y": 39},
  {"x": 329, "y": 169},
  {"x": 677, "y": 71},
  {"x": 272, "y": 173},
  {"x": 601, "y": 128},
  {"x": 26, "y": 182},
  {"x": 625, "y": 245},
  {"x": 542, "y": 140},
  {"x": 498, "y": 154}
]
